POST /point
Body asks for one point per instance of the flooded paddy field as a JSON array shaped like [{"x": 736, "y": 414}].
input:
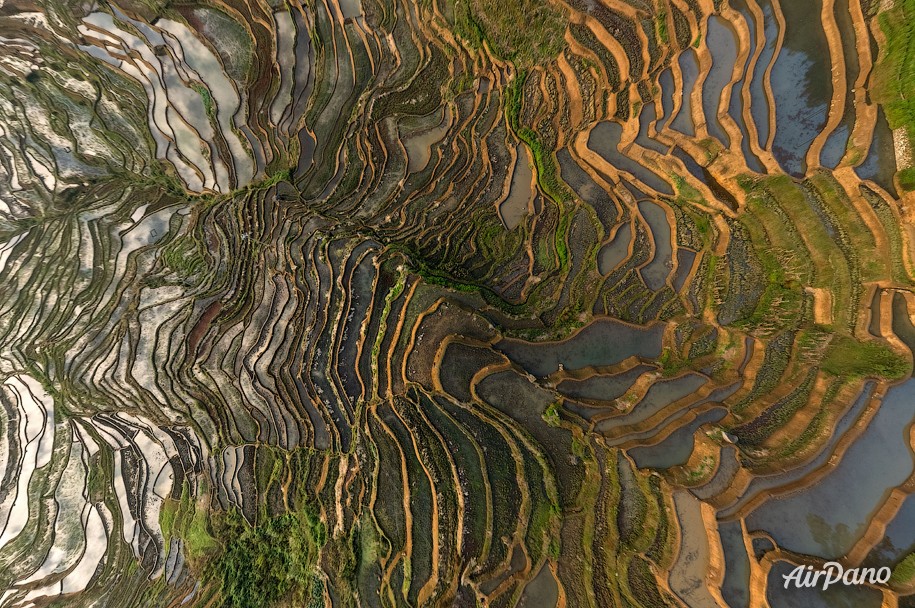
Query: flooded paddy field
[{"x": 515, "y": 304}]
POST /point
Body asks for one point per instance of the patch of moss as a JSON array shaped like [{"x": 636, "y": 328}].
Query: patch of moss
[
  {"x": 904, "y": 571},
  {"x": 847, "y": 357},
  {"x": 907, "y": 179},
  {"x": 551, "y": 414}
]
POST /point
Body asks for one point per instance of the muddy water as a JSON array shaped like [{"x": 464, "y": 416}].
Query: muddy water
[
  {"x": 419, "y": 146},
  {"x": 735, "y": 106},
  {"x": 307, "y": 145},
  {"x": 304, "y": 80},
  {"x": 656, "y": 272},
  {"x": 285, "y": 54},
  {"x": 689, "y": 67},
  {"x": 605, "y": 140},
  {"x": 827, "y": 518},
  {"x": 727, "y": 467},
  {"x": 521, "y": 194},
  {"x": 542, "y": 592},
  {"x": 351, "y": 8},
  {"x": 685, "y": 261},
  {"x": 802, "y": 85},
  {"x": 603, "y": 342},
  {"x": 688, "y": 575},
  {"x": 691, "y": 165},
  {"x": 874, "y": 325},
  {"x": 613, "y": 253},
  {"x": 722, "y": 43},
  {"x": 735, "y": 109},
  {"x": 676, "y": 418},
  {"x": 589, "y": 191},
  {"x": 902, "y": 323},
  {"x": 899, "y": 540},
  {"x": 835, "y": 146}
]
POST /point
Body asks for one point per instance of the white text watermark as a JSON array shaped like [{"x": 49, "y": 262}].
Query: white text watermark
[{"x": 833, "y": 573}]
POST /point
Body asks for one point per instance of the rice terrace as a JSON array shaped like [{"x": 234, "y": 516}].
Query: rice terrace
[{"x": 474, "y": 303}]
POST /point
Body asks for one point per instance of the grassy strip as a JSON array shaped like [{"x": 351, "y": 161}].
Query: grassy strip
[
  {"x": 891, "y": 227},
  {"x": 671, "y": 363},
  {"x": 389, "y": 299},
  {"x": 832, "y": 270},
  {"x": 547, "y": 174},
  {"x": 545, "y": 163},
  {"x": 661, "y": 26},
  {"x": 208, "y": 106},
  {"x": 775, "y": 363},
  {"x": 183, "y": 256},
  {"x": 895, "y": 71},
  {"x": 272, "y": 180},
  {"x": 851, "y": 235},
  {"x": 467, "y": 26},
  {"x": 777, "y": 415}
]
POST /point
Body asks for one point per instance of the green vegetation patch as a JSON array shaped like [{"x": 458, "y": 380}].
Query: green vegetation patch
[
  {"x": 184, "y": 257},
  {"x": 895, "y": 71},
  {"x": 551, "y": 414},
  {"x": 850, "y": 358},
  {"x": 527, "y": 32},
  {"x": 904, "y": 571},
  {"x": 661, "y": 25},
  {"x": 187, "y": 520},
  {"x": 671, "y": 363},
  {"x": 207, "y": 99},
  {"x": 907, "y": 179},
  {"x": 545, "y": 162},
  {"x": 268, "y": 564}
]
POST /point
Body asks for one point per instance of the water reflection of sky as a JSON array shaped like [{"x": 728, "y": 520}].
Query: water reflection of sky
[
  {"x": 759, "y": 104},
  {"x": 799, "y": 117},
  {"x": 722, "y": 44},
  {"x": 827, "y": 518}
]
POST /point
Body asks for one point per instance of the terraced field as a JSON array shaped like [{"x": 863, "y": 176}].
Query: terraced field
[{"x": 455, "y": 302}]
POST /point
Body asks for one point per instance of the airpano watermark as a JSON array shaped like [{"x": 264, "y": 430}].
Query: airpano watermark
[{"x": 833, "y": 573}]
